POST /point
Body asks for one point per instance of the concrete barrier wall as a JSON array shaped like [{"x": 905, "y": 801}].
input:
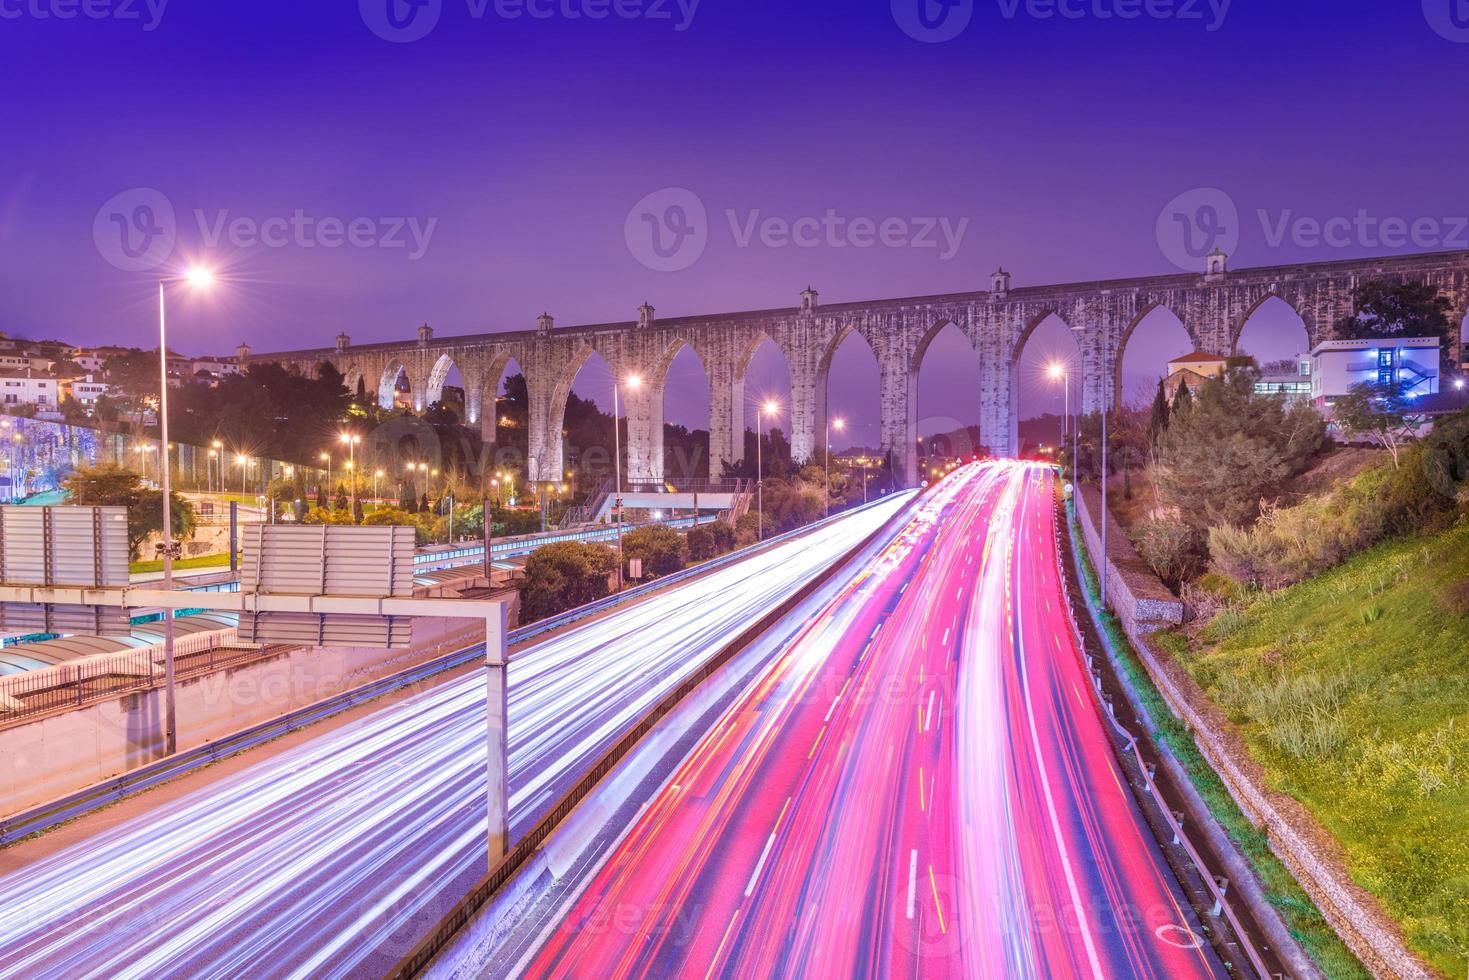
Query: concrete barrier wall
[
  {"x": 62, "y": 753},
  {"x": 1134, "y": 592}
]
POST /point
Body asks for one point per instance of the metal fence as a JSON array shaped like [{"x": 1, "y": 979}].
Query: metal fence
[{"x": 103, "y": 676}]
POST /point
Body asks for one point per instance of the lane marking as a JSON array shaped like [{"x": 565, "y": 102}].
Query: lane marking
[
  {"x": 928, "y": 721},
  {"x": 936, "y": 904},
  {"x": 755, "y": 876},
  {"x": 912, "y": 878}
]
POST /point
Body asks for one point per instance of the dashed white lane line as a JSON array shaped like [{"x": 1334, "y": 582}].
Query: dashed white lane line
[{"x": 912, "y": 879}]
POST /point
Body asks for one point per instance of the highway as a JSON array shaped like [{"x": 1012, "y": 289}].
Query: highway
[
  {"x": 333, "y": 857},
  {"x": 904, "y": 791}
]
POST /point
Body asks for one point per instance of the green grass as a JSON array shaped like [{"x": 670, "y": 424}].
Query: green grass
[
  {"x": 1305, "y": 922},
  {"x": 1352, "y": 691},
  {"x": 203, "y": 561}
]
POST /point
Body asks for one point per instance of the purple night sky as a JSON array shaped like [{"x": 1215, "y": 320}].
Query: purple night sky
[{"x": 522, "y": 144}]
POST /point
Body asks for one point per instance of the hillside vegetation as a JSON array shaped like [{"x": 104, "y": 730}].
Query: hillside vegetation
[{"x": 1352, "y": 690}]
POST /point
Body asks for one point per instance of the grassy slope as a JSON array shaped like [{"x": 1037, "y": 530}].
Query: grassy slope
[
  {"x": 1352, "y": 690},
  {"x": 1305, "y": 922},
  {"x": 203, "y": 561}
]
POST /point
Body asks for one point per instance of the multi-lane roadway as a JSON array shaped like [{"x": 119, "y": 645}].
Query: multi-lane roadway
[
  {"x": 921, "y": 784},
  {"x": 335, "y": 856}
]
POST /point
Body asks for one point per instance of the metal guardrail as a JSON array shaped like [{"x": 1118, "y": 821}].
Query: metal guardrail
[
  {"x": 44, "y": 816},
  {"x": 1217, "y": 887},
  {"x": 466, "y": 908}
]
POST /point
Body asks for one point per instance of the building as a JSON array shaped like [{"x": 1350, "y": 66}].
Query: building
[
  {"x": 29, "y": 388},
  {"x": 1295, "y": 383},
  {"x": 1192, "y": 370},
  {"x": 85, "y": 391},
  {"x": 1337, "y": 366}
]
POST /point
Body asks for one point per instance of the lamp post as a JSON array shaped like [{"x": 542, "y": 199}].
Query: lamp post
[
  {"x": 840, "y": 424},
  {"x": 200, "y": 279},
  {"x": 243, "y": 462},
  {"x": 376, "y": 476},
  {"x": 1061, "y": 371},
  {"x": 216, "y": 453},
  {"x": 769, "y": 408},
  {"x": 633, "y": 382},
  {"x": 350, "y": 440}
]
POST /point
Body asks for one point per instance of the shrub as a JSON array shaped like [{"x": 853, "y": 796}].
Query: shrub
[
  {"x": 700, "y": 542},
  {"x": 1175, "y": 551},
  {"x": 565, "y": 575},
  {"x": 389, "y": 517},
  {"x": 724, "y": 536},
  {"x": 1456, "y": 598},
  {"x": 661, "y": 549},
  {"x": 746, "y": 527}
]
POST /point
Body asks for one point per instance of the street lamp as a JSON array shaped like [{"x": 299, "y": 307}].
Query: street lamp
[
  {"x": 376, "y": 476},
  {"x": 840, "y": 425},
  {"x": 243, "y": 462},
  {"x": 1059, "y": 371},
  {"x": 769, "y": 408},
  {"x": 198, "y": 278},
  {"x": 350, "y": 440},
  {"x": 327, "y": 459},
  {"x": 634, "y": 382}
]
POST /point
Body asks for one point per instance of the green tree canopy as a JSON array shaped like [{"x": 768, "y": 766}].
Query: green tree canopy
[
  {"x": 565, "y": 575},
  {"x": 109, "y": 485}
]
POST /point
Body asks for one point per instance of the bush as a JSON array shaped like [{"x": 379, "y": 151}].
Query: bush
[
  {"x": 700, "y": 541},
  {"x": 747, "y": 526},
  {"x": 389, "y": 517},
  {"x": 661, "y": 549},
  {"x": 316, "y": 515},
  {"x": 1456, "y": 598},
  {"x": 1175, "y": 551},
  {"x": 724, "y": 536},
  {"x": 565, "y": 575}
]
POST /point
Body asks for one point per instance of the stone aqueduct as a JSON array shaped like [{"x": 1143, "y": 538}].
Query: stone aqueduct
[{"x": 1213, "y": 308}]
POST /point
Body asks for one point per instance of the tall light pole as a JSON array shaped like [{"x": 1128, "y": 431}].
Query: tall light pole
[
  {"x": 840, "y": 424},
  {"x": 769, "y": 408},
  {"x": 243, "y": 462},
  {"x": 634, "y": 382},
  {"x": 200, "y": 279},
  {"x": 1106, "y": 410},
  {"x": 351, "y": 440},
  {"x": 1062, "y": 372},
  {"x": 216, "y": 453},
  {"x": 376, "y": 476},
  {"x": 327, "y": 459}
]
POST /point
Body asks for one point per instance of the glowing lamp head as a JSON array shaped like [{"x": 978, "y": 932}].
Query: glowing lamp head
[
  {"x": 1057, "y": 371},
  {"x": 634, "y": 381},
  {"x": 242, "y": 459},
  {"x": 199, "y": 277},
  {"x": 839, "y": 424},
  {"x": 771, "y": 408}
]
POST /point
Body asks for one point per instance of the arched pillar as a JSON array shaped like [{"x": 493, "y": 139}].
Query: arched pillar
[
  {"x": 642, "y": 407},
  {"x": 898, "y": 414},
  {"x": 808, "y": 402},
  {"x": 726, "y": 414}
]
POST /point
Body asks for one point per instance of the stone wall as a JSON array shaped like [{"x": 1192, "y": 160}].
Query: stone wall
[{"x": 1139, "y": 598}]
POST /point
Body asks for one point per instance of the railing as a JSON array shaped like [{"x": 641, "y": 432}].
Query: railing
[{"x": 103, "y": 676}]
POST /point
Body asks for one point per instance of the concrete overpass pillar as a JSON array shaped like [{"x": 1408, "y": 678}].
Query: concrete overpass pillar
[
  {"x": 1101, "y": 359},
  {"x": 898, "y": 417},
  {"x": 544, "y": 438},
  {"x": 643, "y": 407},
  {"x": 999, "y": 416}
]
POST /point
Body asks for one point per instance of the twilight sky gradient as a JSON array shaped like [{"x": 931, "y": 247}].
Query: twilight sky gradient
[{"x": 526, "y": 142}]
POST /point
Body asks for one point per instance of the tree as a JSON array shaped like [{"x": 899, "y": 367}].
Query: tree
[
  {"x": 662, "y": 549},
  {"x": 1174, "y": 550},
  {"x": 109, "y": 485},
  {"x": 1158, "y": 419},
  {"x": 700, "y": 542},
  {"x": 1386, "y": 309},
  {"x": 134, "y": 376},
  {"x": 73, "y": 410},
  {"x": 565, "y": 575},
  {"x": 724, "y": 535},
  {"x": 1232, "y": 448},
  {"x": 1381, "y": 413}
]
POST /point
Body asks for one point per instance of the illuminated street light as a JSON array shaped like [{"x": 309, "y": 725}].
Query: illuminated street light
[
  {"x": 351, "y": 440},
  {"x": 634, "y": 382},
  {"x": 771, "y": 407},
  {"x": 839, "y": 424},
  {"x": 199, "y": 278},
  {"x": 1058, "y": 371}
]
